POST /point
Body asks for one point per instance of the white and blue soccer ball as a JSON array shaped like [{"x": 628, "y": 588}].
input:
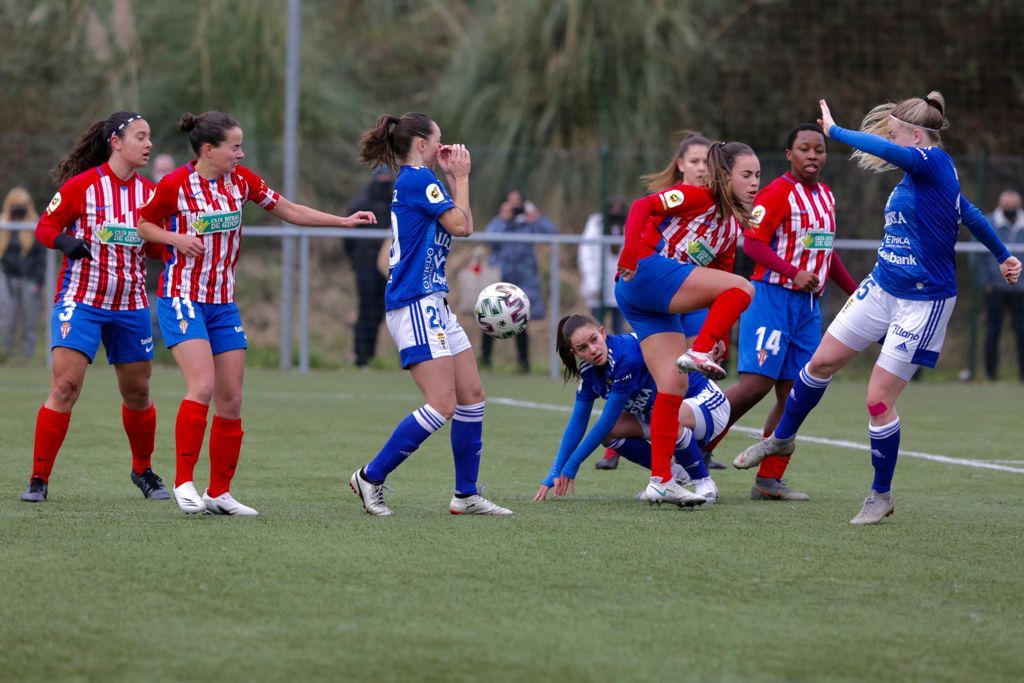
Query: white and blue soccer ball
[{"x": 502, "y": 310}]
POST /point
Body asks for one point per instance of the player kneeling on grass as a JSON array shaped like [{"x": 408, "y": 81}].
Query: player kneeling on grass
[
  {"x": 430, "y": 340},
  {"x": 612, "y": 368}
]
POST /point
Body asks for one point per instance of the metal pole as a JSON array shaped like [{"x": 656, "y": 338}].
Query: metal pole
[
  {"x": 304, "y": 303},
  {"x": 973, "y": 262},
  {"x": 553, "y": 312},
  {"x": 51, "y": 291},
  {"x": 605, "y": 155},
  {"x": 291, "y": 165}
]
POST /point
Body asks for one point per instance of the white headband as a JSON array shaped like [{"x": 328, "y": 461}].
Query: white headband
[
  {"x": 913, "y": 125},
  {"x": 125, "y": 123}
]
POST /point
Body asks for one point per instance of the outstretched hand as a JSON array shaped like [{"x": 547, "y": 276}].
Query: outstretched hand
[
  {"x": 1010, "y": 268},
  {"x": 564, "y": 486},
  {"x": 542, "y": 494},
  {"x": 826, "y": 121},
  {"x": 360, "y": 218}
]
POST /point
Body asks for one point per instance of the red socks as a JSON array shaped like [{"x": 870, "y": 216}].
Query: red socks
[
  {"x": 189, "y": 430},
  {"x": 664, "y": 432},
  {"x": 773, "y": 466},
  {"x": 51, "y": 428},
  {"x": 722, "y": 315},
  {"x": 225, "y": 444},
  {"x": 140, "y": 426}
]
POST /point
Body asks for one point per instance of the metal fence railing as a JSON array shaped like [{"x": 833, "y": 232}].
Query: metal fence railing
[{"x": 556, "y": 242}]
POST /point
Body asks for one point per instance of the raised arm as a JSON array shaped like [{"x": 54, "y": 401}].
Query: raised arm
[
  {"x": 456, "y": 163},
  {"x": 901, "y": 157}
]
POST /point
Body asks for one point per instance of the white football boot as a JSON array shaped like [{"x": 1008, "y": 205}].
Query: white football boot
[
  {"x": 371, "y": 494},
  {"x": 189, "y": 500},
  {"x": 671, "y": 492},
  {"x": 476, "y": 505},
  {"x": 755, "y": 453},
  {"x": 224, "y": 504},
  {"x": 695, "y": 361},
  {"x": 877, "y": 506},
  {"x": 706, "y": 487}
]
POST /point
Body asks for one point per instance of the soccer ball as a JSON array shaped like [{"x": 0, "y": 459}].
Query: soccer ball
[{"x": 502, "y": 310}]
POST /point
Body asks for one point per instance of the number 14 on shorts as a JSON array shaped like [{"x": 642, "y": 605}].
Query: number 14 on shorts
[{"x": 772, "y": 343}]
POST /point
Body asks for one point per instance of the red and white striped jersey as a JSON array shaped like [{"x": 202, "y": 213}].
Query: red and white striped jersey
[
  {"x": 799, "y": 222},
  {"x": 103, "y": 211},
  {"x": 684, "y": 223},
  {"x": 188, "y": 204}
]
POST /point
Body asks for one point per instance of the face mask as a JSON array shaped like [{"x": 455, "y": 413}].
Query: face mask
[
  {"x": 18, "y": 213},
  {"x": 1011, "y": 215}
]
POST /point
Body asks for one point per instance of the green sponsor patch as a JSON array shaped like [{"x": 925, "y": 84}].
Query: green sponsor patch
[
  {"x": 217, "y": 222},
  {"x": 120, "y": 234},
  {"x": 699, "y": 252},
  {"x": 818, "y": 240}
]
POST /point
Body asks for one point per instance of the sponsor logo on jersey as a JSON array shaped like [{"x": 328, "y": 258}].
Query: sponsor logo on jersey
[
  {"x": 434, "y": 194},
  {"x": 757, "y": 215},
  {"x": 699, "y": 252},
  {"x": 183, "y": 326},
  {"x": 818, "y": 240},
  {"x": 894, "y": 218},
  {"x": 65, "y": 328},
  {"x": 119, "y": 234},
  {"x": 672, "y": 198},
  {"x": 239, "y": 328},
  {"x": 217, "y": 222},
  {"x": 897, "y": 260},
  {"x": 442, "y": 341},
  {"x": 762, "y": 356},
  {"x": 891, "y": 240},
  {"x": 54, "y": 203}
]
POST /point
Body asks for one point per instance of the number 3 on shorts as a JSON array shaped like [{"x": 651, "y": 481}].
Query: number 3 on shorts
[
  {"x": 69, "y": 310},
  {"x": 772, "y": 344}
]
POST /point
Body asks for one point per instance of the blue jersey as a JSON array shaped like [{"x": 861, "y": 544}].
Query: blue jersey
[
  {"x": 419, "y": 243},
  {"x": 626, "y": 373},
  {"x": 917, "y": 258}
]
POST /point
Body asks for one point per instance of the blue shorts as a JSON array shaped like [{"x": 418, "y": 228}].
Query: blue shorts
[
  {"x": 127, "y": 336},
  {"x": 693, "y": 321},
  {"x": 219, "y": 324},
  {"x": 779, "y": 332},
  {"x": 645, "y": 298}
]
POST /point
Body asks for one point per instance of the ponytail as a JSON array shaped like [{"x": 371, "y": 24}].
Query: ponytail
[
  {"x": 927, "y": 113},
  {"x": 671, "y": 175},
  {"x": 208, "y": 128},
  {"x": 389, "y": 140},
  {"x": 721, "y": 158},
  {"x": 567, "y": 326},
  {"x": 93, "y": 148}
]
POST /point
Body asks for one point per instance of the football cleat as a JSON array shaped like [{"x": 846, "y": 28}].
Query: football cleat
[
  {"x": 475, "y": 505},
  {"x": 610, "y": 461},
  {"x": 680, "y": 474},
  {"x": 707, "y": 488},
  {"x": 755, "y": 453},
  {"x": 671, "y": 492},
  {"x": 371, "y": 494},
  {"x": 767, "y": 488},
  {"x": 152, "y": 486},
  {"x": 695, "y": 361},
  {"x": 188, "y": 498},
  {"x": 224, "y": 504},
  {"x": 877, "y": 507},
  {"x": 711, "y": 463},
  {"x": 36, "y": 491}
]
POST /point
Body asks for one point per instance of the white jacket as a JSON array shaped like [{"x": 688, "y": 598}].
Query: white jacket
[{"x": 590, "y": 266}]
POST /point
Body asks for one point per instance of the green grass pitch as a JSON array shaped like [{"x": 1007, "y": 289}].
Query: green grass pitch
[{"x": 98, "y": 584}]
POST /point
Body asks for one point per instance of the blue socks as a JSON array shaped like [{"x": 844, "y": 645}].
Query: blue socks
[
  {"x": 688, "y": 455},
  {"x": 807, "y": 391},
  {"x": 885, "y": 447},
  {"x": 467, "y": 443},
  {"x": 407, "y": 437},
  {"x": 637, "y": 451}
]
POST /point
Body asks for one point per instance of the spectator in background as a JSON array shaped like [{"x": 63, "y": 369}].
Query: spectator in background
[
  {"x": 376, "y": 197},
  {"x": 517, "y": 262},
  {"x": 1008, "y": 221},
  {"x": 599, "y": 262},
  {"x": 162, "y": 165},
  {"x": 22, "y": 267}
]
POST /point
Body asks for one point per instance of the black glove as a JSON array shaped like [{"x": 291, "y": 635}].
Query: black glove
[{"x": 72, "y": 247}]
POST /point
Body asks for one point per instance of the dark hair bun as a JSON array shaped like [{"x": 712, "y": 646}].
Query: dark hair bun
[{"x": 187, "y": 122}]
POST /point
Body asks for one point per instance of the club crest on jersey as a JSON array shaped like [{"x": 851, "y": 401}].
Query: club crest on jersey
[
  {"x": 672, "y": 198},
  {"x": 65, "y": 328},
  {"x": 434, "y": 194},
  {"x": 762, "y": 356},
  {"x": 183, "y": 326},
  {"x": 757, "y": 215},
  {"x": 54, "y": 203}
]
